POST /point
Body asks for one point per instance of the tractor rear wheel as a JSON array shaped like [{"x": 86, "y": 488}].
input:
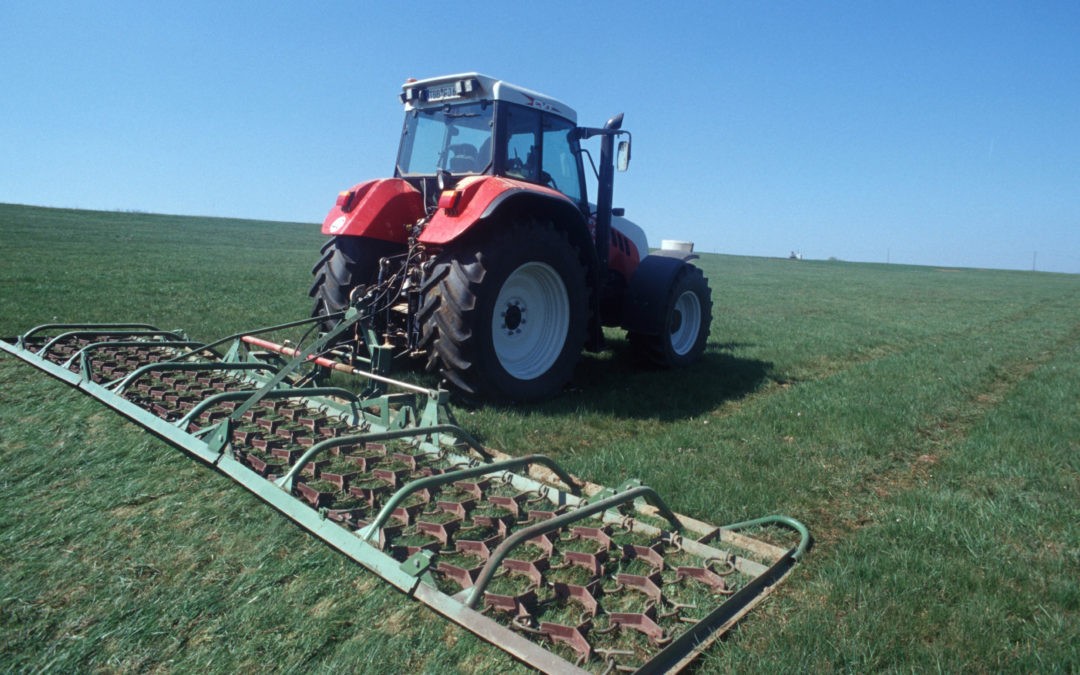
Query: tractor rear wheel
[
  {"x": 506, "y": 317},
  {"x": 686, "y": 322},
  {"x": 346, "y": 264}
]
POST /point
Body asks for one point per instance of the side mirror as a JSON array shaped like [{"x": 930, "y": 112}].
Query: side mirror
[{"x": 623, "y": 160}]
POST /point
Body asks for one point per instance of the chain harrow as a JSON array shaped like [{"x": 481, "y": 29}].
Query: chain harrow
[{"x": 602, "y": 583}]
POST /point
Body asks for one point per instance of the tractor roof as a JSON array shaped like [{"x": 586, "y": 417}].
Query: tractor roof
[{"x": 436, "y": 91}]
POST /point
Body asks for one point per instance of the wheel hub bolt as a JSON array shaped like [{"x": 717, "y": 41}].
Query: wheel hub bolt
[{"x": 513, "y": 317}]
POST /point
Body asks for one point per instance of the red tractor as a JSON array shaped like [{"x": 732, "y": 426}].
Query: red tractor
[{"x": 484, "y": 255}]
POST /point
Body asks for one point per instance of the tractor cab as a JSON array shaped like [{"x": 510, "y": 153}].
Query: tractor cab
[{"x": 471, "y": 124}]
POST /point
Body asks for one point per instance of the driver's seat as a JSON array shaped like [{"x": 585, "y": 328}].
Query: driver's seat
[{"x": 464, "y": 159}]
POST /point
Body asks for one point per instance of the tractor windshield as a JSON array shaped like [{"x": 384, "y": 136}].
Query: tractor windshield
[{"x": 454, "y": 138}]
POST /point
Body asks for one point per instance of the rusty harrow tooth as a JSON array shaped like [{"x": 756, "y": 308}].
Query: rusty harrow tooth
[
  {"x": 569, "y": 574},
  {"x": 480, "y": 536},
  {"x": 264, "y": 465},
  {"x": 290, "y": 455},
  {"x": 648, "y": 585},
  {"x": 409, "y": 510},
  {"x": 642, "y": 622},
  {"x": 702, "y": 575},
  {"x": 412, "y": 541},
  {"x": 441, "y": 525},
  {"x": 513, "y": 594},
  {"x": 641, "y": 559},
  {"x": 460, "y": 569},
  {"x": 530, "y": 569},
  {"x": 475, "y": 547},
  {"x": 253, "y": 415},
  {"x": 266, "y": 445},
  {"x": 372, "y": 490},
  {"x": 318, "y": 493},
  {"x": 364, "y": 461},
  {"x": 573, "y": 636},
  {"x": 584, "y": 595}
]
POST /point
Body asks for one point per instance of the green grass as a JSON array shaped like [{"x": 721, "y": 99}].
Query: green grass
[{"x": 925, "y": 424}]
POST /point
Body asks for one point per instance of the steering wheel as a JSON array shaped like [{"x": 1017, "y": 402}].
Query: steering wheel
[
  {"x": 546, "y": 179},
  {"x": 516, "y": 166}
]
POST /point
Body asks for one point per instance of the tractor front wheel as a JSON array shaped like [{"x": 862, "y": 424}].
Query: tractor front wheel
[
  {"x": 686, "y": 322},
  {"x": 507, "y": 315}
]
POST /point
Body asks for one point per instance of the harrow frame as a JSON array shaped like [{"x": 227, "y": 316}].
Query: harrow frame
[{"x": 206, "y": 426}]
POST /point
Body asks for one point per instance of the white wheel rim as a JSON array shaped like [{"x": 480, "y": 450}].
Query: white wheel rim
[
  {"x": 685, "y": 323},
  {"x": 531, "y": 320}
]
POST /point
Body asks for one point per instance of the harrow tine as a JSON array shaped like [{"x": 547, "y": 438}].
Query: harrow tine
[
  {"x": 286, "y": 481},
  {"x": 125, "y": 382},
  {"x": 454, "y": 476},
  {"x": 160, "y": 334},
  {"x": 83, "y": 354},
  {"x": 477, "y": 592},
  {"x": 25, "y": 337},
  {"x": 273, "y": 394}
]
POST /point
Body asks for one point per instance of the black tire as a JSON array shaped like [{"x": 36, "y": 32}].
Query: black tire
[
  {"x": 346, "y": 263},
  {"x": 512, "y": 342},
  {"x": 687, "y": 320}
]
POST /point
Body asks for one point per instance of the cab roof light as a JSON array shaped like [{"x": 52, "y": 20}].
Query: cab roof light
[{"x": 467, "y": 87}]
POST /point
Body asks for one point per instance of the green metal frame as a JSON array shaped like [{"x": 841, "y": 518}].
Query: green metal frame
[{"x": 419, "y": 416}]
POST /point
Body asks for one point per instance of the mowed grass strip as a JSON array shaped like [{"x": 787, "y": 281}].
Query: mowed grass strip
[{"x": 921, "y": 421}]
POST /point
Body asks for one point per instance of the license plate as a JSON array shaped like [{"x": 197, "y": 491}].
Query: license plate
[{"x": 441, "y": 92}]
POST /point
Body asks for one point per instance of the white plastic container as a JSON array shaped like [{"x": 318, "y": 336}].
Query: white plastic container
[{"x": 676, "y": 245}]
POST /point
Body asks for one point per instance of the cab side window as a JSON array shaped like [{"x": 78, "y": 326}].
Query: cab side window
[
  {"x": 540, "y": 149},
  {"x": 560, "y": 163},
  {"x": 523, "y": 144}
]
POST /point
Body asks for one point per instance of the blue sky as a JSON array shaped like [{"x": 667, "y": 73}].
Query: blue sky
[{"x": 919, "y": 132}]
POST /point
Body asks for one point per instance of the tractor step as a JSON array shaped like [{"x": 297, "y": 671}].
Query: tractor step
[{"x": 565, "y": 576}]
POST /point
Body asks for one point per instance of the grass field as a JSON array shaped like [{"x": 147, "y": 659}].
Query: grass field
[{"x": 924, "y": 423}]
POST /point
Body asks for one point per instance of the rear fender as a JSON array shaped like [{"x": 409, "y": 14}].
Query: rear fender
[
  {"x": 381, "y": 209},
  {"x": 646, "y": 298},
  {"x": 480, "y": 198}
]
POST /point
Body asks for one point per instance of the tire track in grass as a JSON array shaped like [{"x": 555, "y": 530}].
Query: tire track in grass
[
  {"x": 818, "y": 450},
  {"x": 936, "y": 439},
  {"x": 960, "y": 559},
  {"x": 836, "y": 366},
  {"x": 778, "y": 384},
  {"x": 838, "y": 391},
  {"x": 811, "y": 449},
  {"x": 947, "y": 576}
]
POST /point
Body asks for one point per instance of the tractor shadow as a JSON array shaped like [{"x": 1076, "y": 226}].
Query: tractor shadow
[{"x": 619, "y": 383}]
